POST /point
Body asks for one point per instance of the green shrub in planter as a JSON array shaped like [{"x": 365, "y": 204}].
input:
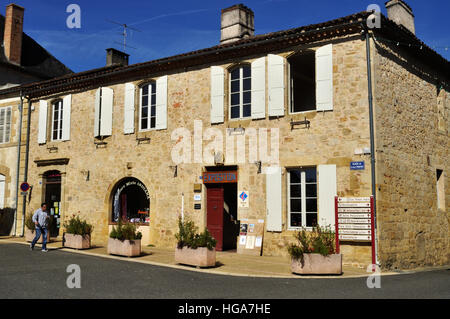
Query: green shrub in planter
[
  {"x": 318, "y": 241},
  {"x": 76, "y": 226},
  {"x": 125, "y": 231},
  {"x": 187, "y": 236}
]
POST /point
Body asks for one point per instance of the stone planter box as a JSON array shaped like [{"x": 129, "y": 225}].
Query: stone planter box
[
  {"x": 200, "y": 257},
  {"x": 77, "y": 241},
  {"x": 127, "y": 248},
  {"x": 29, "y": 236},
  {"x": 316, "y": 264}
]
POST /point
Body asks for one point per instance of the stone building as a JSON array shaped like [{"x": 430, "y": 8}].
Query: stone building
[
  {"x": 22, "y": 61},
  {"x": 277, "y": 117}
]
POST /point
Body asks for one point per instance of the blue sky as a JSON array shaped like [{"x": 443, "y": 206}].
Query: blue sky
[{"x": 173, "y": 26}]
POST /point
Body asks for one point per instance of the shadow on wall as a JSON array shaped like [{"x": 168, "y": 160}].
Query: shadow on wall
[{"x": 6, "y": 221}]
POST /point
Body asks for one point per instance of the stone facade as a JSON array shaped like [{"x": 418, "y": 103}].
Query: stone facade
[
  {"x": 412, "y": 142},
  {"x": 8, "y": 152},
  {"x": 411, "y": 125},
  {"x": 331, "y": 139}
]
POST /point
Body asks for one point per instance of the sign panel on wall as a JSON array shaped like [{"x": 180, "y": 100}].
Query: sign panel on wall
[{"x": 243, "y": 199}]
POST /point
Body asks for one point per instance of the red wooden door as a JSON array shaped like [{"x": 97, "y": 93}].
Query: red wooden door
[{"x": 214, "y": 215}]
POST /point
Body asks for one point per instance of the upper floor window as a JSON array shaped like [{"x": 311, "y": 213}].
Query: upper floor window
[
  {"x": 57, "y": 120},
  {"x": 302, "y": 83},
  {"x": 302, "y": 197},
  {"x": 147, "y": 108},
  {"x": 240, "y": 92},
  {"x": 5, "y": 124}
]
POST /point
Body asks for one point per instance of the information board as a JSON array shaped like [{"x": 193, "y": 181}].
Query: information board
[{"x": 250, "y": 237}]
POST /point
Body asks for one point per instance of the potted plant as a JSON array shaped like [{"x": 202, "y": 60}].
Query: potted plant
[
  {"x": 124, "y": 240},
  {"x": 192, "y": 248},
  {"x": 78, "y": 233},
  {"x": 30, "y": 229},
  {"x": 315, "y": 252}
]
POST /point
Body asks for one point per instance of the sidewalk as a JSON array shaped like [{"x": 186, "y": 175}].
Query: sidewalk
[{"x": 229, "y": 263}]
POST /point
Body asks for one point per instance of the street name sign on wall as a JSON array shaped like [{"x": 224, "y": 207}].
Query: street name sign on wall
[{"x": 355, "y": 221}]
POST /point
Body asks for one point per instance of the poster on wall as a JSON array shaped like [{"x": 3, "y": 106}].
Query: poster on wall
[{"x": 251, "y": 237}]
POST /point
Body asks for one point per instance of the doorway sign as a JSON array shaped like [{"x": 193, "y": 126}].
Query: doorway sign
[
  {"x": 220, "y": 177},
  {"x": 243, "y": 199}
]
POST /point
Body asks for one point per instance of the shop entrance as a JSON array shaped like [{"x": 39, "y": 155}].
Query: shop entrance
[
  {"x": 52, "y": 197},
  {"x": 221, "y": 206}
]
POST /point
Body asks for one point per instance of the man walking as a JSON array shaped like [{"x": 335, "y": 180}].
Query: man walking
[{"x": 40, "y": 219}]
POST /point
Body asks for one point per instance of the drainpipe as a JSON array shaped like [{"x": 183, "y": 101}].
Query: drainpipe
[
  {"x": 372, "y": 141},
  {"x": 19, "y": 143},
  {"x": 25, "y": 177}
]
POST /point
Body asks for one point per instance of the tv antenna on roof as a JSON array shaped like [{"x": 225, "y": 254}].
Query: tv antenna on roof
[{"x": 124, "y": 33}]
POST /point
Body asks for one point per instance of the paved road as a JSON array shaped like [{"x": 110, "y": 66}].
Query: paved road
[{"x": 33, "y": 274}]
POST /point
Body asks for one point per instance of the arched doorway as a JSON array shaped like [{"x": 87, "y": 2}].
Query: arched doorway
[
  {"x": 131, "y": 201},
  {"x": 52, "y": 197}
]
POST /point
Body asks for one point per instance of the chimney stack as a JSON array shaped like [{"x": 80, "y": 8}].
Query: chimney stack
[
  {"x": 401, "y": 13},
  {"x": 237, "y": 22},
  {"x": 114, "y": 56},
  {"x": 12, "y": 38}
]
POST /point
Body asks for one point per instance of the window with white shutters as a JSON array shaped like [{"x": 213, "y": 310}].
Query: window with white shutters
[
  {"x": 57, "y": 120},
  {"x": 302, "y": 82},
  {"x": 240, "y": 92},
  {"x": 5, "y": 125},
  {"x": 104, "y": 100},
  {"x": 147, "y": 113},
  {"x": 302, "y": 197}
]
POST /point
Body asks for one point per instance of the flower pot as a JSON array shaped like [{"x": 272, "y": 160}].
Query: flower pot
[
  {"x": 128, "y": 248},
  {"x": 30, "y": 234},
  {"x": 200, "y": 257},
  {"x": 77, "y": 241},
  {"x": 316, "y": 264}
]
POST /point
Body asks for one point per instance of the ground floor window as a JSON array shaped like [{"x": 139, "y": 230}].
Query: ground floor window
[
  {"x": 131, "y": 202},
  {"x": 302, "y": 197}
]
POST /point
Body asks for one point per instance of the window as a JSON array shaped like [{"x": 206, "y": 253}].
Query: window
[
  {"x": 440, "y": 189},
  {"x": 148, "y": 106},
  {"x": 240, "y": 92},
  {"x": 131, "y": 201},
  {"x": 302, "y": 82},
  {"x": 57, "y": 121},
  {"x": 5, "y": 124},
  {"x": 302, "y": 197}
]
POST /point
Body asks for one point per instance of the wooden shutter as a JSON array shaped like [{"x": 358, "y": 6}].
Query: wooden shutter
[
  {"x": 327, "y": 192},
  {"x": 259, "y": 88},
  {"x": 217, "y": 94},
  {"x": 273, "y": 199},
  {"x": 106, "y": 111},
  {"x": 98, "y": 94},
  {"x": 161, "y": 103},
  {"x": 67, "y": 105},
  {"x": 42, "y": 130},
  {"x": 128, "y": 123},
  {"x": 276, "y": 84},
  {"x": 324, "y": 78},
  {"x": 2, "y": 191}
]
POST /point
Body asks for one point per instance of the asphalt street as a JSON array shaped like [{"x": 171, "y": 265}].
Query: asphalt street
[{"x": 34, "y": 274}]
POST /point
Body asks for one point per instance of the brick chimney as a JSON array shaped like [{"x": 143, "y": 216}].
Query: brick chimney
[
  {"x": 401, "y": 13},
  {"x": 12, "y": 38},
  {"x": 114, "y": 56},
  {"x": 237, "y": 22}
]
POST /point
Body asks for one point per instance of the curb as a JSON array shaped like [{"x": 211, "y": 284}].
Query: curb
[{"x": 209, "y": 271}]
